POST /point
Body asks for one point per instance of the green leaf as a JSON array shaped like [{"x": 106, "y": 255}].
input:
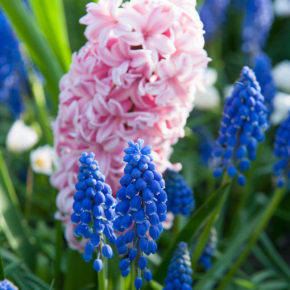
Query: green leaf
[
  {"x": 261, "y": 224},
  {"x": 275, "y": 256},
  {"x": 155, "y": 285},
  {"x": 36, "y": 44},
  {"x": 206, "y": 231},
  {"x": 51, "y": 19},
  {"x": 224, "y": 261},
  {"x": 195, "y": 223},
  {"x": 13, "y": 226}
]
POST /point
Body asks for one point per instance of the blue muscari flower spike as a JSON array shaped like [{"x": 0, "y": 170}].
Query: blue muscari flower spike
[
  {"x": 213, "y": 14},
  {"x": 179, "y": 271},
  {"x": 180, "y": 195},
  {"x": 140, "y": 211},
  {"x": 243, "y": 125},
  {"x": 262, "y": 69},
  {"x": 205, "y": 260},
  {"x": 282, "y": 151},
  {"x": 7, "y": 285},
  {"x": 258, "y": 20},
  {"x": 13, "y": 77},
  {"x": 93, "y": 211}
]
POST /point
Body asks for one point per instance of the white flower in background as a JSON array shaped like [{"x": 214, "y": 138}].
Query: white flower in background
[
  {"x": 21, "y": 137},
  {"x": 282, "y": 8},
  {"x": 281, "y": 74},
  {"x": 42, "y": 160},
  {"x": 209, "y": 98},
  {"x": 281, "y": 108}
]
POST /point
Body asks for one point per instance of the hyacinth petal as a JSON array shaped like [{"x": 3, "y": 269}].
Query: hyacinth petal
[{"x": 117, "y": 90}]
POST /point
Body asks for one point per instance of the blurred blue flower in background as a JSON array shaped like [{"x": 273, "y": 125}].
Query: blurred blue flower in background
[
  {"x": 179, "y": 270},
  {"x": 257, "y": 23},
  {"x": 263, "y": 70},
  {"x": 93, "y": 211},
  {"x": 180, "y": 195},
  {"x": 242, "y": 127},
  {"x": 205, "y": 260},
  {"x": 13, "y": 77},
  {"x": 282, "y": 151},
  {"x": 213, "y": 15}
]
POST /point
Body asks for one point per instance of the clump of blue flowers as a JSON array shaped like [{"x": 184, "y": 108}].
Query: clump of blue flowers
[
  {"x": 7, "y": 285},
  {"x": 140, "y": 211},
  {"x": 205, "y": 260},
  {"x": 242, "y": 128},
  {"x": 13, "y": 77},
  {"x": 282, "y": 151},
  {"x": 180, "y": 195},
  {"x": 262, "y": 69},
  {"x": 258, "y": 21},
  {"x": 213, "y": 14},
  {"x": 93, "y": 211},
  {"x": 179, "y": 271}
]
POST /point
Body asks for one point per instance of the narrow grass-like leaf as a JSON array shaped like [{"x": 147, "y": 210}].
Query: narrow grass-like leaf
[
  {"x": 155, "y": 285},
  {"x": 12, "y": 224},
  {"x": 206, "y": 231},
  {"x": 42, "y": 113},
  {"x": 7, "y": 182},
  {"x": 195, "y": 223},
  {"x": 262, "y": 222},
  {"x": 209, "y": 279},
  {"x": 274, "y": 256},
  {"x": 51, "y": 19}
]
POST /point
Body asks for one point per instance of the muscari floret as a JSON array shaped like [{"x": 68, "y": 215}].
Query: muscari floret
[
  {"x": 180, "y": 195},
  {"x": 7, "y": 285},
  {"x": 242, "y": 128},
  {"x": 263, "y": 72},
  {"x": 179, "y": 271},
  {"x": 140, "y": 211},
  {"x": 205, "y": 260},
  {"x": 93, "y": 211},
  {"x": 282, "y": 151}
]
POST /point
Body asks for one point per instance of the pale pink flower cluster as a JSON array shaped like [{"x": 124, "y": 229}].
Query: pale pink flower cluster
[{"x": 135, "y": 77}]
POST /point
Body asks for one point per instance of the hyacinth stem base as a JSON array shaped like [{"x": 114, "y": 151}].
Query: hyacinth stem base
[{"x": 261, "y": 224}]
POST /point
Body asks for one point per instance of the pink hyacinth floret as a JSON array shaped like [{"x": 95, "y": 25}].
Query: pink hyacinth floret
[{"x": 135, "y": 77}]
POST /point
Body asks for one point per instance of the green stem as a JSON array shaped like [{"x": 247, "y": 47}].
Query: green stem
[
  {"x": 133, "y": 274},
  {"x": 176, "y": 226},
  {"x": 102, "y": 279},
  {"x": 2, "y": 274},
  {"x": 262, "y": 222}
]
